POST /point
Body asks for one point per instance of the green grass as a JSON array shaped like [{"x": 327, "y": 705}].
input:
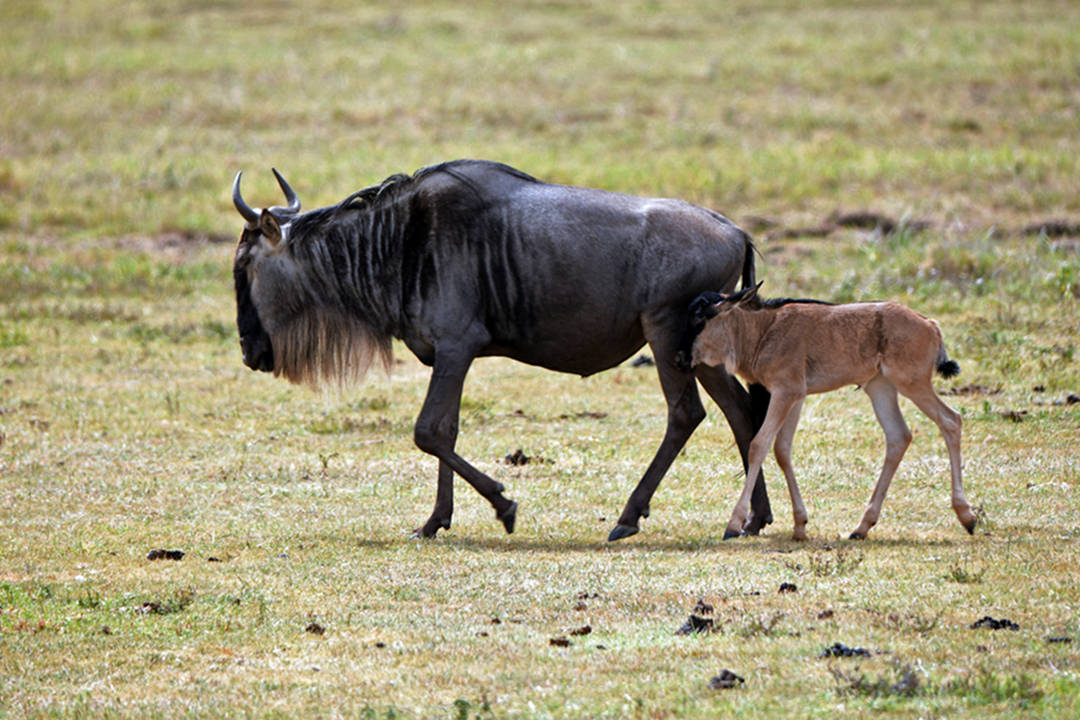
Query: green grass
[{"x": 128, "y": 423}]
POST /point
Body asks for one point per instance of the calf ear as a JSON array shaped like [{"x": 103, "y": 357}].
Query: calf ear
[
  {"x": 270, "y": 228},
  {"x": 751, "y": 294}
]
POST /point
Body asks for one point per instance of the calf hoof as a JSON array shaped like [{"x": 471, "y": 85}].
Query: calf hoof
[
  {"x": 508, "y": 517},
  {"x": 622, "y": 531},
  {"x": 728, "y": 534},
  {"x": 754, "y": 524},
  {"x": 856, "y": 536},
  {"x": 970, "y": 527}
]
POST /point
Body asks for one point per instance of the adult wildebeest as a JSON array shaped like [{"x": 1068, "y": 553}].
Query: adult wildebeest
[
  {"x": 473, "y": 258},
  {"x": 800, "y": 347}
]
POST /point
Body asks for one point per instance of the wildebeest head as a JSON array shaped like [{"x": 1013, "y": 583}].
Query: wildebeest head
[
  {"x": 260, "y": 241},
  {"x": 290, "y": 313}
]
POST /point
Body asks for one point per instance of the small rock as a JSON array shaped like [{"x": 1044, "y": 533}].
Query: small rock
[
  {"x": 991, "y": 624},
  {"x": 725, "y": 680}
]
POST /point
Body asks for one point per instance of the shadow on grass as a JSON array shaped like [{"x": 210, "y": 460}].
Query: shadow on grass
[{"x": 643, "y": 544}]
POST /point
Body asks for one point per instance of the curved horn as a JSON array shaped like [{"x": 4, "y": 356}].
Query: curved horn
[
  {"x": 290, "y": 194},
  {"x": 252, "y": 216}
]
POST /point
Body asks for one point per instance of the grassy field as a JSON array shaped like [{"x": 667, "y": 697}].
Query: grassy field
[{"x": 128, "y": 423}]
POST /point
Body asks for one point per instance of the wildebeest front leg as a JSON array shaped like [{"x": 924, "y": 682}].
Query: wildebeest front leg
[{"x": 436, "y": 433}]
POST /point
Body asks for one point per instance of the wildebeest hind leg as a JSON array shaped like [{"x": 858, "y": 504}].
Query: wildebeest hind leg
[
  {"x": 444, "y": 504},
  {"x": 744, "y": 411},
  {"x": 685, "y": 413},
  {"x": 436, "y": 433}
]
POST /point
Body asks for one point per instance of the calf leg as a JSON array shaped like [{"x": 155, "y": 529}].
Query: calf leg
[
  {"x": 436, "y": 433},
  {"x": 780, "y": 405},
  {"x": 685, "y": 413},
  {"x": 782, "y": 451},
  {"x": 897, "y": 438},
  {"x": 949, "y": 422},
  {"x": 744, "y": 413}
]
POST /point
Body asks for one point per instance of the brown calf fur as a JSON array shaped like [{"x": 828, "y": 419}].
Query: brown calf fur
[{"x": 796, "y": 348}]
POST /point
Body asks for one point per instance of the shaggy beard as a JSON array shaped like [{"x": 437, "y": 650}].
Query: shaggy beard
[{"x": 328, "y": 348}]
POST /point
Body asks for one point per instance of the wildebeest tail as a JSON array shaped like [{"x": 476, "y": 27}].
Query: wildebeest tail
[
  {"x": 945, "y": 367},
  {"x": 701, "y": 309},
  {"x": 748, "y": 279}
]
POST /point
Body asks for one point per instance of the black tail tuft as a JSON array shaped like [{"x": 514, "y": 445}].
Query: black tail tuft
[{"x": 948, "y": 369}]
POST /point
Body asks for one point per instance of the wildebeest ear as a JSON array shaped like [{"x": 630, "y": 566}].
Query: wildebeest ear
[{"x": 270, "y": 228}]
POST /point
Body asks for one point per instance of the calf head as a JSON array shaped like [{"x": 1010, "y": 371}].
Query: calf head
[
  {"x": 260, "y": 267},
  {"x": 712, "y": 341}
]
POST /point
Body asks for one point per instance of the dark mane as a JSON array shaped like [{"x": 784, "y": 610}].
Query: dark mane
[
  {"x": 394, "y": 187},
  {"x": 398, "y": 183},
  {"x": 773, "y": 303}
]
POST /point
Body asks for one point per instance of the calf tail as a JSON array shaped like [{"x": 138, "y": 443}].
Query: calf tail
[{"x": 946, "y": 368}]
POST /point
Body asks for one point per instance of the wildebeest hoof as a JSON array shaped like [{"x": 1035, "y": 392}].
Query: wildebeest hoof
[
  {"x": 622, "y": 531},
  {"x": 508, "y": 517},
  {"x": 430, "y": 528}
]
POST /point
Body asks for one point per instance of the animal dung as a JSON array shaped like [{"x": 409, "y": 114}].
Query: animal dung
[
  {"x": 165, "y": 555},
  {"x": 787, "y": 587},
  {"x": 696, "y": 625},
  {"x": 725, "y": 680},
  {"x": 991, "y": 624},
  {"x": 519, "y": 458},
  {"x": 583, "y": 630},
  {"x": 841, "y": 650},
  {"x": 559, "y": 641},
  {"x": 315, "y": 629}
]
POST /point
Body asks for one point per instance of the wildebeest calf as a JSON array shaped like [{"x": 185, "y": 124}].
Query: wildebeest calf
[{"x": 799, "y": 347}]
